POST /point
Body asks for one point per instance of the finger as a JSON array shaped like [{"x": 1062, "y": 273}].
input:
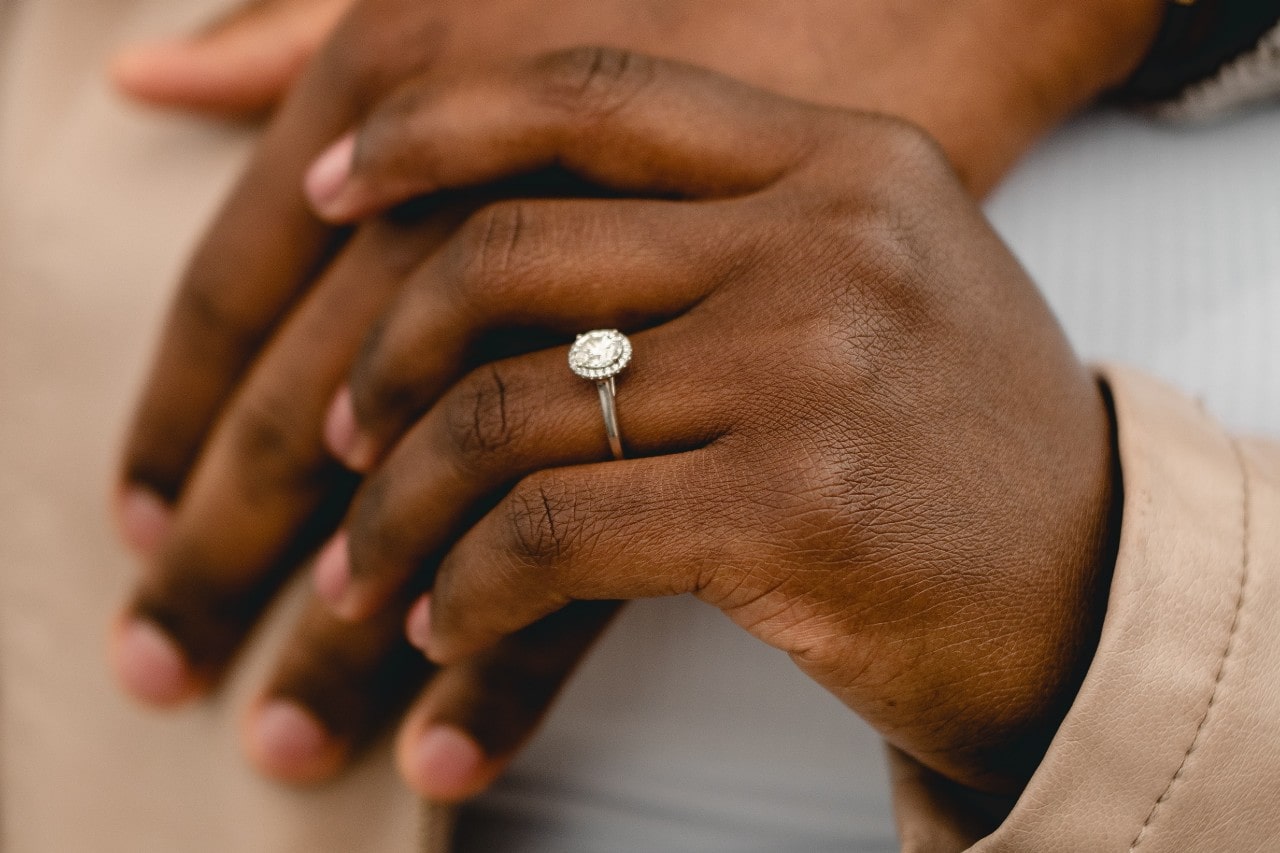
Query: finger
[
  {"x": 241, "y": 64},
  {"x": 257, "y": 258},
  {"x": 503, "y": 421},
  {"x": 334, "y": 688},
  {"x": 557, "y": 266},
  {"x": 616, "y": 530},
  {"x": 626, "y": 122},
  {"x": 474, "y": 716},
  {"x": 251, "y": 508}
]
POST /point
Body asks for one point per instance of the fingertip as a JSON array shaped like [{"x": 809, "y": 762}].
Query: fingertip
[
  {"x": 144, "y": 519},
  {"x": 200, "y": 74},
  {"x": 417, "y": 627},
  {"x": 173, "y": 72},
  {"x": 331, "y": 574},
  {"x": 287, "y": 742},
  {"x": 342, "y": 433},
  {"x": 150, "y": 665},
  {"x": 444, "y": 763},
  {"x": 328, "y": 177},
  {"x": 135, "y": 69}
]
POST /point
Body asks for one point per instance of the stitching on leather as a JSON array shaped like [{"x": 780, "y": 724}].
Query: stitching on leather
[{"x": 1226, "y": 651}]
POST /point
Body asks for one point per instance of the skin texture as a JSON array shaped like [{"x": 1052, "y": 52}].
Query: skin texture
[
  {"x": 893, "y": 469},
  {"x": 276, "y": 304}
]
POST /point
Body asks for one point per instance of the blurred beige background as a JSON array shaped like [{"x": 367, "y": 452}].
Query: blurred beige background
[{"x": 99, "y": 204}]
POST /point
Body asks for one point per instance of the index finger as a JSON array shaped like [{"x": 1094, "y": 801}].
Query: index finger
[
  {"x": 623, "y": 121},
  {"x": 256, "y": 259}
]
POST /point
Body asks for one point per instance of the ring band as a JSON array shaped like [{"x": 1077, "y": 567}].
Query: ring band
[{"x": 600, "y": 356}]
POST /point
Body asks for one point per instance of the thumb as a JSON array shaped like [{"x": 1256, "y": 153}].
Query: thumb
[{"x": 241, "y": 64}]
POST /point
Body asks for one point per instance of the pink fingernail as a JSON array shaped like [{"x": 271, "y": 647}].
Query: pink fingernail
[
  {"x": 150, "y": 665},
  {"x": 342, "y": 434},
  {"x": 340, "y": 430},
  {"x": 144, "y": 520},
  {"x": 418, "y": 624},
  {"x": 329, "y": 173},
  {"x": 448, "y": 763},
  {"x": 289, "y": 741},
  {"x": 332, "y": 572}
]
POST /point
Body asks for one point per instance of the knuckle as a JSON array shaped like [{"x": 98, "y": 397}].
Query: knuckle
[
  {"x": 593, "y": 82},
  {"x": 212, "y": 328},
  {"x": 884, "y": 293},
  {"x": 386, "y": 142},
  {"x": 383, "y": 382},
  {"x": 923, "y": 169},
  {"x": 906, "y": 142},
  {"x": 382, "y": 528},
  {"x": 480, "y": 422},
  {"x": 906, "y": 162},
  {"x": 274, "y": 449},
  {"x": 494, "y": 254},
  {"x": 542, "y": 515}
]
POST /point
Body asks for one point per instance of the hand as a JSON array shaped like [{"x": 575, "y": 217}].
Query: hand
[
  {"x": 241, "y": 64},
  {"x": 856, "y": 428},
  {"x": 226, "y": 483},
  {"x": 984, "y": 78}
]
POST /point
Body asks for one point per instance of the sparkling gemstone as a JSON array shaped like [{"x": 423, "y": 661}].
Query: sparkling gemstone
[{"x": 600, "y": 354}]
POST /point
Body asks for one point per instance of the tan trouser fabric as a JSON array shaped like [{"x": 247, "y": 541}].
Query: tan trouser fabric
[{"x": 99, "y": 204}]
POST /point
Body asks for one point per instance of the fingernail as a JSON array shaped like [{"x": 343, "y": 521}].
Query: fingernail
[
  {"x": 287, "y": 741},
  {"x": 144, "y": 520},
  {"x": 332, "y": 572},
  {"x": 150, "y": 665},
  {"x": 329, "y": 173},
  {"x": 341, "y": 433},
  {"x": 449, "y": 763},
  {"x": 418, "y": 623}
]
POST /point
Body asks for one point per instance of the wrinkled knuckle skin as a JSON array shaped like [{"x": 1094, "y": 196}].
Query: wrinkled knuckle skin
[
  {"x": 542, "y": 515},
  {"x": 594, "y": 82},
  {"x": 495, "y": 252},
  {"x": 481, "y": 423}
]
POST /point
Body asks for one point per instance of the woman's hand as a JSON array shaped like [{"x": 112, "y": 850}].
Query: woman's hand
[
  {"x": 854, "y": 425},
  {"x": 226, "y": 484}
]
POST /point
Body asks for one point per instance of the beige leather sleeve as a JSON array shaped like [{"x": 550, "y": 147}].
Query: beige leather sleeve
[{"x": 1173, "y": 743}]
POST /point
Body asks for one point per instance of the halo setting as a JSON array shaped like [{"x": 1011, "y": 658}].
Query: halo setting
[{"x": 600, "y": 355}]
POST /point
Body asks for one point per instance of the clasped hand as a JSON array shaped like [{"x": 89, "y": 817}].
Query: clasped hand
[{"x": 853, "y": 425}]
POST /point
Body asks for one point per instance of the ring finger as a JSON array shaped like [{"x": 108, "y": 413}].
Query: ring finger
[
  {"x": 558, "y": 266},
  {"x": 500, "y": 423}
]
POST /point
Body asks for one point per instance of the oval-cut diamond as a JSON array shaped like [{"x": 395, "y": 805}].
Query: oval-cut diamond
[{"x": 601, "y": 354}]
